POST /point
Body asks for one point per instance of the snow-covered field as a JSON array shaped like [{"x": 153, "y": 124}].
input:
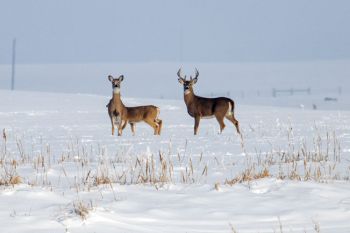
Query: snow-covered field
[
  {"x": 290, "y": 173},
  {"x": 248, "y": 83}
]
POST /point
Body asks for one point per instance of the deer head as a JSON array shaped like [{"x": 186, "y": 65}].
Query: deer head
[
  {"x": 116, "y": 82},
  {"x": 187, "y": 84}
]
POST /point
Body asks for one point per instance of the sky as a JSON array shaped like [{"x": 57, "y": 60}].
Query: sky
[{"x": 85, "y": 31}]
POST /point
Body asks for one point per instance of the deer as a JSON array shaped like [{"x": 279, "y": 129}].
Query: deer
[
  {"x": 120, "y": 115},
  {"x": 200, "y": 107}
]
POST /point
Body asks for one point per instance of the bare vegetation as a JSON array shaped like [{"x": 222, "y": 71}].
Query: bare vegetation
[
  {"x": 320, "y": 161},
  {"x": 82, "y": 209}
]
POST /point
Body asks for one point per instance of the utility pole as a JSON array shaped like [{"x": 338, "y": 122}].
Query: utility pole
[{"x": 13, "y": 64}]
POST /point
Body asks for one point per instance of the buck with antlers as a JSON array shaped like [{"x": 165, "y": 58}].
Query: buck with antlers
[
  {"x": 120, "y": 115},
  {"x": 199, "y": 107}
]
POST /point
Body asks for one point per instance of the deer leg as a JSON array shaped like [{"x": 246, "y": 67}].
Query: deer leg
[
  {"x": 121, "y": 126},
  {"x": 160, "y": 123},
  {"x": 235, "y": 122},
  {"x": 124, "y": 125},
  {"x": 154, "y": 125},
  {"x": 112, "y": 122},
  {"x": 196, "y": 124},
  {"x": 112, "y": 126},
  {"x": 120, "y": 131},
  {"x": 132, "y": 125},
  {"x": 220, "y": 119}
]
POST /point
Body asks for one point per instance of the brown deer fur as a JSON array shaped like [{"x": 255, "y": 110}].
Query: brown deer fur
[
  {"x": 120, "y": 115},
  {"x": 199, "y": 107}
]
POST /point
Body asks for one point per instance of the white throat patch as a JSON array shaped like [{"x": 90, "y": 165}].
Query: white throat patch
[
  {"x": 187, "y": 92},
  {"x": 116, "y": 90}
]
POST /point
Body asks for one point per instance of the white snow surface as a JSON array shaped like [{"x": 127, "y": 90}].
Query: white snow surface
[
  {"x": 248, "y": 83},
  {"x": 71, "y": 135}
]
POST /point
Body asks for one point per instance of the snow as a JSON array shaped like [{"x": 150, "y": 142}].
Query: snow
[
  {"x": 60, "y": 143},
  {"x": 248, "y": 83}
]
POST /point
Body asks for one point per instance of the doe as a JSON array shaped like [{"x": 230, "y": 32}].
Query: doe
[{"x": 120, "y": 115}]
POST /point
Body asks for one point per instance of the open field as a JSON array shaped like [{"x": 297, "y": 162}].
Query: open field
[
  {"x": 248, "y": 83},
  {"x": 62, "y": 171},
  {"x": 278, "y": 70}
]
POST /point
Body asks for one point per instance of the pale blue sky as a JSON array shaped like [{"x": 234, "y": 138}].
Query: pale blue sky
[{"x": 80, "y": 31}]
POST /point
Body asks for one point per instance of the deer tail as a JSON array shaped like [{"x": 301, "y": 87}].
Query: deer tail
[
  {"x": 231, "y": 107},
  {"x": 158, "y": 111}
]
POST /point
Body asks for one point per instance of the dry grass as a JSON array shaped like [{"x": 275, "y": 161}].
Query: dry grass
[
  {"x": 248, "y": 175},
  {"x": 302, "y": 161},
  {"x": 233, "y": 230},
  {"x": 296, "y": 162},
  {"x": 316, "y": 227},
  {"x": 8, "y": 166},
  {"x": 10, "y": 180},
  {"x": 82, "y": 209},
  {"x": 217, "y": 186}
]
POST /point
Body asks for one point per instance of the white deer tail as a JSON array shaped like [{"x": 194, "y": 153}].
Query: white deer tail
[{"x": 230, "y": 109}]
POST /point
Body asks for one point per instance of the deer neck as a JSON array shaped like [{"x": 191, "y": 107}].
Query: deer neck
[
  {"x": 116, "y": 99},
  {"x": 189, "y": 96}
]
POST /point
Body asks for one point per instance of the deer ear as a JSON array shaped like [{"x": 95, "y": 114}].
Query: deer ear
[
  {"x": 121, "y": 78},
  {"x": 194, "y": 80},
  {"x": 181, "y": 80},
  {"x": 110, "y": 78}
]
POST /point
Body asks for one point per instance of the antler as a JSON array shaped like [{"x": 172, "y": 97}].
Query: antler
[
  {"x": 197, "y": 74},
  {"x": 179, "y": 74}
]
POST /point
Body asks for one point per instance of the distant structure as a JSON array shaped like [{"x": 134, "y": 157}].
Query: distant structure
[
  {"x": 328, "y": 99},
  {"x": 13, "y": 64},
  {"x": 291, "y": 91}
]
